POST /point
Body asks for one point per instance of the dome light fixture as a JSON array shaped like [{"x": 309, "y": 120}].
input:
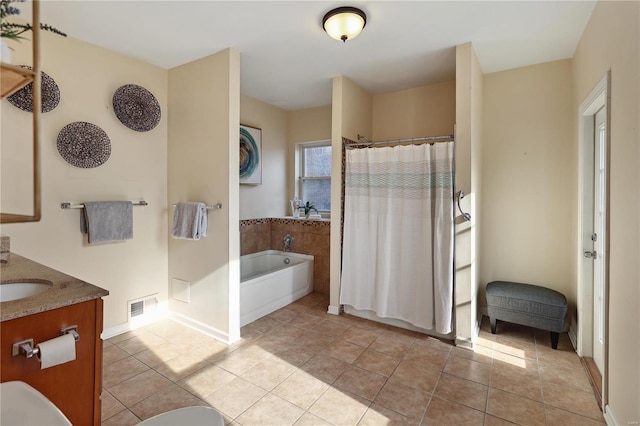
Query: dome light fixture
[{"x": 344, "y": 23}]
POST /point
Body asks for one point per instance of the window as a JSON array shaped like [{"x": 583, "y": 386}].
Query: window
[{"x": 314, "y": 164}]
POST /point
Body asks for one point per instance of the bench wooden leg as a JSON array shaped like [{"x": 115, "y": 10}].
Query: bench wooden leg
[
  {"x": 493, "y": 322},
  {"x": 554, "y": 339}
]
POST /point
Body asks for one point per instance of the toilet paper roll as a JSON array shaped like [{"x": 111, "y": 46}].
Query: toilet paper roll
[{"x": 57, "y": 351}]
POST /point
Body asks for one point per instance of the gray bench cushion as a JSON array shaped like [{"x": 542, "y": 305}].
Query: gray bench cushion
[{"x": 526, "y": 304}]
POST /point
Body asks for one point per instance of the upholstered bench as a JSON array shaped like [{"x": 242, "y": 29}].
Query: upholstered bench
[{"x": 527, "y": 304}]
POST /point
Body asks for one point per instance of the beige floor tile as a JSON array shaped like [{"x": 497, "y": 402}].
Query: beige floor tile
[
  {"x": 325, "y": 368},
  {"x": 180, "y": 367},
  {"x": 390, "y": 346},
  {"x": 110, "y": 405},
  {"x": 235, "y": 397},
  {"x": 443, "y": 412},
  {"x": 301, "y": 389},
  {"x": 525, "y": 385},
  {"x": 170, "y": 398},
  {"x": 106, "y": 344},
  {"x": 515, "y": 331},
  {"x": 360, "y": 382},
  {"x": 515, "y": 408},
  {"x": 517, "y": 365},
  {"x": 344, "y": 351},
  {"x": 560, "y": 359},
  {"x": 570, "y": 399},
  {"x": 269, "y": 373},
  {"x": 122, "y": 370},
  {"x": 309, "y": 419},
  {"x": 304, "y": 320},
  {"x": 271, "y": 344},
  {"x": 210, "y": 351},
  {"x": 435, "y": 357},
  {"x": 139, "y": 387},
  {"x": 468, "y": 369},
  {"x": 480, "y": 354},
  {"x": 406, "y": 336},
  {"x": 462, "y": 391},
  {"x": 339, "y": 408},
  {"x": 287, "y": 332},
  {"x": 128, "y": 335},
  {"x": 140, "y": 343},
  {"x": 270, "y": 410},
  {"x": 156, "y": 355},
  {"x": 240, "y": 360},
  {"x": 296, "y": 356},
  {"x": 124, "y": 418},
  {"x": 558, "y": 417},
  {"x": 314, "y": 341},
  {"x": 417, "y": 374},
  {"x": 359, "y": 336},
  {"x": 263, "y": 325},
  {"x": 166, "y": 328},
  {"x": 112, "y": 353},
  {"x": 515, "y": 347},
  {"x": 377, "y": 362},
  {"x": 490, "y": 420},
  {"x": 206, "y": 381},
  {"x": 572, "y": 377},
  {"x": 404, "y": 399},
  {"x": 377, "y": 415},
  {"x": 330, "y": 328},
  {"x": 284, "y": 314}
]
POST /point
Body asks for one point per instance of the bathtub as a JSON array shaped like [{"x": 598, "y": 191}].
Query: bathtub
[{"x": 270, "y": 280}]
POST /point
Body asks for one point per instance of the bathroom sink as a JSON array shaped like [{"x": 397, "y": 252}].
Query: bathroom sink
[
  {"x": 23, "y": 405},
  {"x": 20, "y": 290}
]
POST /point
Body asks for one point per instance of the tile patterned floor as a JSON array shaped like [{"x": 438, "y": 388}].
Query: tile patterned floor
[{"x": 302, "y": 366}]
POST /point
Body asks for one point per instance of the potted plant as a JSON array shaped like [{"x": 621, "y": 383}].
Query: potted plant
[
  {"x": 307, "y": 209},
  {"x": 13, "y": 30}
]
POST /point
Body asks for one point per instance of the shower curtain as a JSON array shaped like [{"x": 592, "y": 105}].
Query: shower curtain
[{"x": 397, "y": 256}]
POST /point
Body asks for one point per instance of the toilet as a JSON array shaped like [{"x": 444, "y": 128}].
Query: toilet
[{"x": 189, "y": 416}]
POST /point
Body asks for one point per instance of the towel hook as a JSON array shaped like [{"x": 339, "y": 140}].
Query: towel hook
[{"x": 466, "y": 216}]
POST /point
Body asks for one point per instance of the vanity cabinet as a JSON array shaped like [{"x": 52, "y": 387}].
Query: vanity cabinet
[{"x": 74, "y": 387}]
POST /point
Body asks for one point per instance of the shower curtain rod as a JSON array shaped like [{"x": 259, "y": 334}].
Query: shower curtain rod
[{"x": 399, "y": 141}]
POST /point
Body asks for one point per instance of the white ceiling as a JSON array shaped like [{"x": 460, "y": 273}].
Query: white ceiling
[{"x": 287, "y": 60}]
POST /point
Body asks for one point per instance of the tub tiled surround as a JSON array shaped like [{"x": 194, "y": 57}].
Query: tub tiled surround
[{"x": 309, "y": 237}]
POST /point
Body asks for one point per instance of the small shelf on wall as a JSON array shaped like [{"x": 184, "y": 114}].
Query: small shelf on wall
[{"x": 14, "y": 78}]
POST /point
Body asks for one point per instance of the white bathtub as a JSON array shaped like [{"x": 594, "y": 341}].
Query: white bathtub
[{"x": 270, "y": 280}]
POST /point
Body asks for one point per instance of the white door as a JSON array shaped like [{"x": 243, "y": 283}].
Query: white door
[{"x": 599, "y": 236}]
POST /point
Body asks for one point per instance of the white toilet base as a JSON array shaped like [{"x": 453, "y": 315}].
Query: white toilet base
[{"x": 189, "y": 416}]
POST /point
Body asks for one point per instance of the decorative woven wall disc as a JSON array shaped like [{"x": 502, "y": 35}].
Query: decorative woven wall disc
[
  {"x": 136, "y": 107},
  {"x": 84, "y": 145},
  {"x": 23, "y": 98}
]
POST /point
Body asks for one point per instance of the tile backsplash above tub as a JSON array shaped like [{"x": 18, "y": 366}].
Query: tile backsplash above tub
[{"x": 309, "y": 237}]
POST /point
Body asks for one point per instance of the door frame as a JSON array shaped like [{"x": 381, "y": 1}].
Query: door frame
[{"x": 600, "y": 96}]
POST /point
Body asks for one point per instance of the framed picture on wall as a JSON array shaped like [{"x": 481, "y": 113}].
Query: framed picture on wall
[{"x": 250, "y": 155}]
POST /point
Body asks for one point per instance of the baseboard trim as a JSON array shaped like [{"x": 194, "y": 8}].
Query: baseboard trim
[
  {"x": 333, "y": 310},
  {"x": 200, "y": 327},
  {"x": 116, "y": 330},
  {"x": 609, "y": 417},
  {"x": 573, "y": 336}
]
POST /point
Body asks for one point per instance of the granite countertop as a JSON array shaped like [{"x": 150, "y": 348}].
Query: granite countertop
[{"x": 66, "y": 290}]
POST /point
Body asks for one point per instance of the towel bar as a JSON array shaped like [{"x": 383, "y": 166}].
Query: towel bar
[
  {"x": 213, "y": 207},
  {"x": 66, "y": 205}
]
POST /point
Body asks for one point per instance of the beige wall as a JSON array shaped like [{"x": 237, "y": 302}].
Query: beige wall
[
  {"x": 271, "y": 198},
  {"x": 87, "y": 77},
  {"x": 469, "y": 100},
  {"x": 351, "y": 115},
  {"x": 529, "y": 168},
  {"x": 611, "y": 42},
  {"x": 422, "y": 111},
  {"x": 204, "y": 97}
]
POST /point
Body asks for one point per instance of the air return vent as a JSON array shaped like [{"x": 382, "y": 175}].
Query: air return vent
[{"x": 143, "y": 309}]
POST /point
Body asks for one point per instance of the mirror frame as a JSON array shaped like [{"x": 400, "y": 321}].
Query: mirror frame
[{"x": 37, "y": 108}]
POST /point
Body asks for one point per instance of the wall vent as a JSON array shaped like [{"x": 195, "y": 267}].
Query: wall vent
[{"x": 144, "y": 308}]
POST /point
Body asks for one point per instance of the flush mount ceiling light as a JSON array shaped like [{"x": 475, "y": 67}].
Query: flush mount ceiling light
[{"x": 344, "y": 23}]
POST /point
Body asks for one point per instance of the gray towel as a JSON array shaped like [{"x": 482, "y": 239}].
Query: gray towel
[
  {"x": 106, "y": 221},
  {"x": 189, "y": 221}
]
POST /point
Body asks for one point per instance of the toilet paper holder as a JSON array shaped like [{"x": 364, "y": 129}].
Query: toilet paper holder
[{"x": 28, "y": 349}]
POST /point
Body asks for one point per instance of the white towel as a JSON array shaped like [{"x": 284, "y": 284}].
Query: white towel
[{"x": 189, "y": 221}]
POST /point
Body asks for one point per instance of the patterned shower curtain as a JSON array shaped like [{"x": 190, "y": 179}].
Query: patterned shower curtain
[{"x": 397, "y": 256}]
